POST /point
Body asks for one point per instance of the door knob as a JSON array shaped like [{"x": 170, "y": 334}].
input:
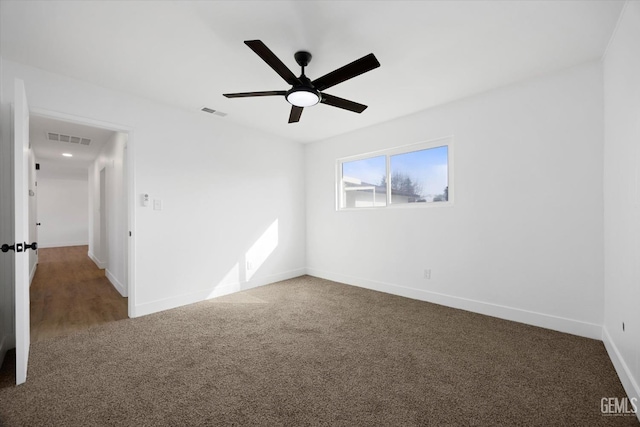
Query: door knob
[
  {"x": 37, "y": 223},
  {"x": 33, "y": 246},
  {"x": 5, "y": 247}
]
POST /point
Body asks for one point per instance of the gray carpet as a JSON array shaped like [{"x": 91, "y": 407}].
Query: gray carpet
[{"x": 312, "y": 352}]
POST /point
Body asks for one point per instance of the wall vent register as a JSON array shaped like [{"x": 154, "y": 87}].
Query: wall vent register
[
  {"x": 212, "y": 111},
  {"x": 53, "y": 136}
]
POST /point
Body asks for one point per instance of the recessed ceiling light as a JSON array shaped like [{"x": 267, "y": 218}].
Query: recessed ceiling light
[{"x": 67, "y": 154}]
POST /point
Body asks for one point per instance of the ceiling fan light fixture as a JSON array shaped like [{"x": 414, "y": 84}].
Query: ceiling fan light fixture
[{"x": 302, "y": 97}]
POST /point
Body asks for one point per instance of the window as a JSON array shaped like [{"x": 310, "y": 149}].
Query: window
[
  {"x": 418, "y": 174},
  {"x": 362, "y": 184}
]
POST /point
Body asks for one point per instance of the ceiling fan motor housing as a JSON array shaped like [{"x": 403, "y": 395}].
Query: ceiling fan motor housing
[
  {"x": 302, "y": 58},
  {"x": 303, "y": 94}
]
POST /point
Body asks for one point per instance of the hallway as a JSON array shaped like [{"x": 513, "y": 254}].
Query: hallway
[{"x": 70, "y": 293}]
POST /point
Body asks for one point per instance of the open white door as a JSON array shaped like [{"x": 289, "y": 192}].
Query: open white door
[{"x": 21, "y": 207}]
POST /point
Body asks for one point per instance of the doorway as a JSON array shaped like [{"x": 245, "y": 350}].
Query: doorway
[
  {"x": 68, "y": 148},
  {"x": 13, "y": 312}
]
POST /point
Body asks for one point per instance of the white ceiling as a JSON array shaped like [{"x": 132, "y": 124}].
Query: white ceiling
[
  {"x": 187, "y": 54},
  {"x": 49, "y": 153}
]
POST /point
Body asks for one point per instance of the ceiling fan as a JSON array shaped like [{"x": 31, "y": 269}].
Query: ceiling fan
[{"x": 304, "y": 92}]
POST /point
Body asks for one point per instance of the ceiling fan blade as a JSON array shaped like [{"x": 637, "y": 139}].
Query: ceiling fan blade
[
  {"x": 357, "y": 67},
  {"x": 345, "y": 104},
  {"x": 296, "y": 112},
  {"x": 247, "y": 94},
  {"x": 272, "y": 60}
]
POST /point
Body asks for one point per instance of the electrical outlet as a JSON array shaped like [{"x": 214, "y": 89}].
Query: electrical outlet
[
  {"x": 249, "y": 265},
  {"x": 427, "y": 273}
]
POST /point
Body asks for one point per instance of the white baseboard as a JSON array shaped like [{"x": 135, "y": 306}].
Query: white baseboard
[
  {"x": 116, "y": 283},
  {"x": 570, "y": 326},
  {"x": 213, "y": 292},
  {"x": 33, "y": 273},
  {"x": 101, "y": 265},
  {"x": 62, "y": 244},
  {"x": 629, "y": 384}
]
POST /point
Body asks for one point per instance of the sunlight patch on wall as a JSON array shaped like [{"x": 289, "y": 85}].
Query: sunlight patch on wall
[
  {"x": 247, "y": 266},
  {"x": 229, "y": 283},
  {"x": 261, "y": 250}
]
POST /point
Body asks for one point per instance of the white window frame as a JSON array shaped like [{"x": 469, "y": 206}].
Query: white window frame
[{"x": 425, "y": 145}]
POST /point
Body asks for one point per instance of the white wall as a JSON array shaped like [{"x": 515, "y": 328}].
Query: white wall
[
  {"x": 622, "y": 199},
  {"x": 523, "y": 239},
  {"x": 222, "y": 187},
  {"x": 110, "y": 251},
  {"x": 63, "y": 212}
]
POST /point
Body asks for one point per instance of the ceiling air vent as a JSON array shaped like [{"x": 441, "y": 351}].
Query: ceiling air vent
[
  {"x": 52, "y": 136},
  {"x": 212, "y": 111}
]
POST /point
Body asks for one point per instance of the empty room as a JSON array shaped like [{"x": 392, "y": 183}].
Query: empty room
[{"x": 343, "y": 213}]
